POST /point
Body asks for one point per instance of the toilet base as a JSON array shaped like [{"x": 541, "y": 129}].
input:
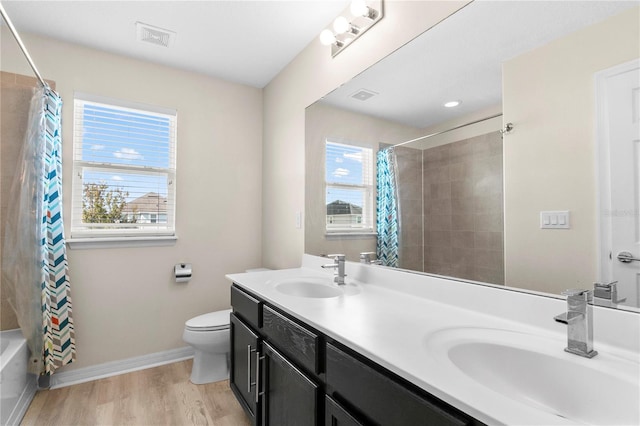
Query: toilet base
[{"x": 209, "y": 367}]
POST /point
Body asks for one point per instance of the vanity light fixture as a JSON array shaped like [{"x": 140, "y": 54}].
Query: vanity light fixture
[
  {"x": 452, "y": 104},
  {"x": 365, "y": 14}
]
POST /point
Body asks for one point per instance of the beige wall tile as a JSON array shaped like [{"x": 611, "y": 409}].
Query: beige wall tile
[
  {"x": 462, "y": 222},
  {"x": 438, "y": 239},
  {"x": 475, "y": 208},
  {"x": 463, "y": 239},
  {"x": 438, "y": 206},
  {"x": 489, "y": 240}
]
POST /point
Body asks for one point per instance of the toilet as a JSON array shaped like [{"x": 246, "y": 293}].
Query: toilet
[{"x": 209, "y": 336}]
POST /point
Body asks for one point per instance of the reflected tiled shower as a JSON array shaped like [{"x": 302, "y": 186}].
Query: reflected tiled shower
[{"x": 451, "y": 209}]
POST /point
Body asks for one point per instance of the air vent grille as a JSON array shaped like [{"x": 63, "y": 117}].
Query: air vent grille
[
  {"x": 154, "y": 35},
  {"x": 363, "y": 94}
]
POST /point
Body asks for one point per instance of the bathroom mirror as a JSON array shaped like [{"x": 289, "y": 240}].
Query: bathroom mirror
[{"x": 508, "y": 187}]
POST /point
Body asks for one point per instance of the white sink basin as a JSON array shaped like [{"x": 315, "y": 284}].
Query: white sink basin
[
  {"x": 314, "y": 287},
  {"x": 535, "y": 371}
]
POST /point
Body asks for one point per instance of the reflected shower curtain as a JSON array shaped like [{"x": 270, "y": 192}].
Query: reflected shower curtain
[
  {"x": 34, "y": 266},
  {"x": 387, "y": 209}
]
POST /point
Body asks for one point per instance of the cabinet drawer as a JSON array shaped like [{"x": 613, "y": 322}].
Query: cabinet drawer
[
  {"x": 382, "y": 398},
  {"x": 297, "y": 342},
  {"x": 246, "y": 306}
]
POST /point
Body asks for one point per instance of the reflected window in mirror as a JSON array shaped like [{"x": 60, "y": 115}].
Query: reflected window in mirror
[{"x": 348, "y": 187}]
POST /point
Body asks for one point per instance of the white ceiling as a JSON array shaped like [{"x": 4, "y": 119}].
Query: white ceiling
[
  {"x": 250, "y": 42},
  {"x": 461, "y": 59},
  {"x": 247, "y": 42}
]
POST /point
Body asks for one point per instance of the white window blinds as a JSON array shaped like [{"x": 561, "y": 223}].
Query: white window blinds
[
  {"x": 349, "y": 187},
  {"x": 124, "y": 159}
]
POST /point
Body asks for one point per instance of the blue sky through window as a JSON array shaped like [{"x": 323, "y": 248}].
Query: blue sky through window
[
  {"x": 124, "y": 137},
  {"x": 345, "y": 164}
]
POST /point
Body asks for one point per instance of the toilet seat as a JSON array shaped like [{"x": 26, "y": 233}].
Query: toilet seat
[{"x": 213, "y": 321}]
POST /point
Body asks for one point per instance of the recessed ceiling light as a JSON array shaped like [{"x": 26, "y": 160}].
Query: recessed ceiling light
[{"x": 452, "y": 104}]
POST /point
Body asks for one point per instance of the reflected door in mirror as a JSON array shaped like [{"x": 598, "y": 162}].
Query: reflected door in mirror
[{"x": 622, "y": 138}]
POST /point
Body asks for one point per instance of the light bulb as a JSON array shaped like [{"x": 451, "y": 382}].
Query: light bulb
[
  {"x": 359, "y": 8},
  {"x": 341, "y": 25},
  {"x": 452, "y": 104},
  {"x": 327, "y": 38}
]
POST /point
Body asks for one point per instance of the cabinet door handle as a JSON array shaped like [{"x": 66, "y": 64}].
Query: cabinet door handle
[
  {"x": 257, "y": 383},
  {"x": 249, "y": 382}
]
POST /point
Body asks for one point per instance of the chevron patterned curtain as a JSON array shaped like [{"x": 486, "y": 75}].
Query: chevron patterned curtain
[
  {"x": 387, "y": 209},
  {"x": 35, "y": 272},
  {"x": 57, "y": 323}
]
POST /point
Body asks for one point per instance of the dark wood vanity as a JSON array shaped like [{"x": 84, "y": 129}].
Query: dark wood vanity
[{"x": 284, "y": 372}]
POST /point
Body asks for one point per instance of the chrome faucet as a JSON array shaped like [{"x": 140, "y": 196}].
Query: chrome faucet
[
  {"x": 366, "y": 258},
  {"x": 338, "y": 265},
  {"x": 579, "y": 320},
  {"x": 606, "y": 294}
]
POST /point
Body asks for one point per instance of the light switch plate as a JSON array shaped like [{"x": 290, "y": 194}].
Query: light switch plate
[{"x": 558, "y": 219}]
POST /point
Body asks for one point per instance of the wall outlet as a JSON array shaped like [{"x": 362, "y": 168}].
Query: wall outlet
[{"x": 554, "y": 219}]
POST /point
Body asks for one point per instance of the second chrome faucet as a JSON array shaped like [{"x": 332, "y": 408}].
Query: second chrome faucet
[{"x": 338, "y": 265}]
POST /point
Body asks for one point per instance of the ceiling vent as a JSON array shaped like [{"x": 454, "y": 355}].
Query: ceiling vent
[
  {"x": 154, "y": 35},
  {"x": 363, "y": 94}
]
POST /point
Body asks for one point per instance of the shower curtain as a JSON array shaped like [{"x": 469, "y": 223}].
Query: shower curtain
[
  {"x": 34, "y": 262},
  {"x": 387, "y": 209}
]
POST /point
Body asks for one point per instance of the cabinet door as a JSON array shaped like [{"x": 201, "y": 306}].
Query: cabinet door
[
  {"x": 290, "y": 398},
  {"x": 244, "y": 362},
  {"x": 335, "y": 415}
]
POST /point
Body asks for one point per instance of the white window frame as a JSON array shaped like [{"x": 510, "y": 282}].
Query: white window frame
[
  {"x": 82, "y": 233},
  {"x": 368, "y": 223}
]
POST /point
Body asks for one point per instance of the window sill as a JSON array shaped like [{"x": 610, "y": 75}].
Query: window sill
[
  {"x": 120, "y": 242},
  {"x": 350, "y": 235}
]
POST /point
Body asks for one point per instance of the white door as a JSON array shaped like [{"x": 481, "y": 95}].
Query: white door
[{"x": 619, "y": 140}]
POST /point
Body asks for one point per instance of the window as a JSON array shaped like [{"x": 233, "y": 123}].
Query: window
[
  {"x": 124, "y": 167},
  {"x": 349, "y": 187}
]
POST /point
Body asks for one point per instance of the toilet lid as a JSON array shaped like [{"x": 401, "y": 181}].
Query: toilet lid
[{"x": 218, "y": 320}]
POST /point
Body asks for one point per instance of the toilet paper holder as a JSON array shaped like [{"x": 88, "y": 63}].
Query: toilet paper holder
[{"x": 182, "y": 272}]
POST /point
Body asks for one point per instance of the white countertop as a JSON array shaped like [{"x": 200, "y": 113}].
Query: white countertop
[{"x": 395, "y": 314}]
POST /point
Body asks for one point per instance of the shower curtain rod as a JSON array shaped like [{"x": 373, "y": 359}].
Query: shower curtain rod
[
  {"x": 507, "y": 128},
  {"x": 21, "y": 44}
]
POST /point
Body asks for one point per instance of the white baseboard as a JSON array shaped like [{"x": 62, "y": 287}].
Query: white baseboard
[{"x": 114, "y": 368}]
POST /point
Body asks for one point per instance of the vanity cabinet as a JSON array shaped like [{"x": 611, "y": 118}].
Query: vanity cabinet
[
  {"x": 271, "y": 357},
  {"x": 284, "y": 372}
]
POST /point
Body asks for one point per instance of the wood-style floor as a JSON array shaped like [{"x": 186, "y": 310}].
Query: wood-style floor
[{"x": 156, "y": 396}]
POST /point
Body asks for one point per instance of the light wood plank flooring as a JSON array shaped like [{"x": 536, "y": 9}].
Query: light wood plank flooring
[{"x": 156, "y": 396}]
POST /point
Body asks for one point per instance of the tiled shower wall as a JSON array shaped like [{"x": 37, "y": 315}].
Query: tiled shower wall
[
  {"x": 462, "y": 203},
  {"x": 409, "y": 176}
]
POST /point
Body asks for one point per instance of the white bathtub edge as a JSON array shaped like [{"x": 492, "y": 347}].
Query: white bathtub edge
[
  {"x": 24, "y": 401},
  {"x": 114, "y": 368}
]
